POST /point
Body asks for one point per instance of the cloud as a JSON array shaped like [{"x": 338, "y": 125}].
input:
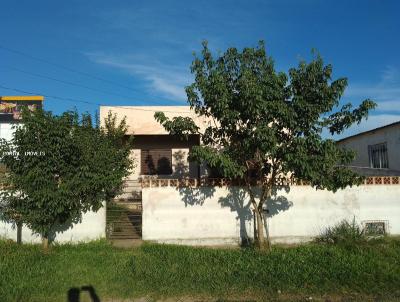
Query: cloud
[
  {"x": 386, "y": 93},
  {"x": 165, "y": 80}
]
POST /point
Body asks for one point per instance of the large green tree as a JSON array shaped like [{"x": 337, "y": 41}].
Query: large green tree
[
  {"x": 267, "y": 125},
  {"x": 59, "y": 167}
]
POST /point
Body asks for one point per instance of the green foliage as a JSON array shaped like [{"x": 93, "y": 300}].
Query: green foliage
[
  {"x": 60, "y": 167},
  {"x": 28, "y": 274},
  {"x": 268, "y": 123},
  {"x": 343, "y": 232}
]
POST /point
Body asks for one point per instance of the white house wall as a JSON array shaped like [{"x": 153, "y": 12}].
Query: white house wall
[
  {"x": 197, "y": 216},
  {"x": 360, "y": 143}
]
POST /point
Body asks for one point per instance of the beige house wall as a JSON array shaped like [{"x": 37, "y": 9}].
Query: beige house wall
[
  {"x": 149, "y": 134},
  {"x": 140, "y": 119},
  {"x": 360, "y": 143},
  {"x": 181, "y": 167}
]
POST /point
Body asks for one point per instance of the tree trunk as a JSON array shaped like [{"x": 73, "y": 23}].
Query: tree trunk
[
  {"x": 260, "y": 241},
  {"x": 45, "y": 242},
  {"x": 19, "y": 232},
  {"x": 268, "y": 241}
]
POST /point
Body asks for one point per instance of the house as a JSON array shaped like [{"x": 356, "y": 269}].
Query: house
[
  {"x": 164, "y": 201},
  {"x": 156, "y": 152},
  {"x": 10, "y": 111},
  {"x": 378, "y": 150}
]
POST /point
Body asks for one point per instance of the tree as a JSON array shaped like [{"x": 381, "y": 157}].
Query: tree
[
  {"x": 60, "y": 167},
  {"x": 266, "y": 125}
]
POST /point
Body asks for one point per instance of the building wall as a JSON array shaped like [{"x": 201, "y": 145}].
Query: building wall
[
  {"x": 140, "y": 119},
  {"x": 390, "y": 135},
  {"x": 92, "y": 227},
  {"x": 181, "y": 167},
  {"x": 6, "y": 131},
  {"x": 149, "y": 134},
  {"x": 220, "y": 215}
]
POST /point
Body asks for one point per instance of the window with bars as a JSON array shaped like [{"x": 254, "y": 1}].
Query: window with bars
[
  {"x": 378, "y": 156},
  {"x": 156, "y": 162}
]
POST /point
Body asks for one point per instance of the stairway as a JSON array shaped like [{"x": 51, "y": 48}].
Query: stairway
[{"x": 124, "y": 213}]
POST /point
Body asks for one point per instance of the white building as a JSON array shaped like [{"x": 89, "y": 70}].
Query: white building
[{"x": 378, "y": 150}]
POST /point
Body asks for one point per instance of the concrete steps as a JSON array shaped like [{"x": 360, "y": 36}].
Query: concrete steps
[{"x": 124, "y": 214}]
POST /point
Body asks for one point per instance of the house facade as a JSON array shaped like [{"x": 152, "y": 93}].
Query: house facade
[
  {"x": 378, "y": 150},
  {"x": 156, "y": 152}
]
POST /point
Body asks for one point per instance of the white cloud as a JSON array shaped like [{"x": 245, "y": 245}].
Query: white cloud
[
  {"x": 386, "y": 92},
  {"x": 166, "y": 80}
]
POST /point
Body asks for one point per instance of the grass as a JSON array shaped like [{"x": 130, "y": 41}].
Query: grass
[{"x": 359, "y": 272}]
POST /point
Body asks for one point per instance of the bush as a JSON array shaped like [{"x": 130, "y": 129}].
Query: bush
[{"x": 342, "y": 232}]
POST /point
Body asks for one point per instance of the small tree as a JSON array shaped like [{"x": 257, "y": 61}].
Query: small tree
[
  {"x": 267, "y": 125},
  {"x": 60, "y": 167}
]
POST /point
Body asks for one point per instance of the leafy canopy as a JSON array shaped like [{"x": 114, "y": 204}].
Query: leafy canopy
[
  {"x": 60, "y": 167},
  {"x": 266, "y": 123}
]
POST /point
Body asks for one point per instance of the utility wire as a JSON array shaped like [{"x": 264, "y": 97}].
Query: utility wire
[
  {"x": 83, "y": 101},
  {"x": 64, "y": 82},
  {"x": 65, "y": 67},
  {"x": 70, "y": 70}
]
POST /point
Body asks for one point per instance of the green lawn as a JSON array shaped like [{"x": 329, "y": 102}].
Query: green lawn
[{"x": 361, "y": 272}]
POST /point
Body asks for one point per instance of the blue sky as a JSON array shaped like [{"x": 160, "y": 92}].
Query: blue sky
[{"x": 142, "y": 50}]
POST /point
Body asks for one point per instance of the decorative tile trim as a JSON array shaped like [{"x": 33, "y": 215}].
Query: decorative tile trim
[{"x": 221, "y": 182}]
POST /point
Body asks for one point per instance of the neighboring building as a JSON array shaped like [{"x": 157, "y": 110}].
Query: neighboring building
[
  {"x": 156, "y": 152},
  {"x": 10, "y": 111},
  {"x": 378, "y": 150}
]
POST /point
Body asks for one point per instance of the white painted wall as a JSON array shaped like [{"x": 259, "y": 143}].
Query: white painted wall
[
  {"x": 172, "y": 215},
  {"x": 6, "y": 131},
  {"x": 92, "y": 227}
]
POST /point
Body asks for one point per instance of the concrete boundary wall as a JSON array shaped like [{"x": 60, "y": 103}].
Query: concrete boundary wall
[
  {"x": 92, "y": 227},
  {"x": 208, "y": 215}
]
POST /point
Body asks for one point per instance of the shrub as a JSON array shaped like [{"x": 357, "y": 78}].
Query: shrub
[{"x": 342, "y": 232}]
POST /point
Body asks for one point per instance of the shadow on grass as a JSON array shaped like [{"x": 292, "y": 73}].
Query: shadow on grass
[{"x": 74, "y": 294}]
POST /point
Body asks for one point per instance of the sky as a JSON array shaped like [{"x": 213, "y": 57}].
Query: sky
[{"x": 83, "y": 53}]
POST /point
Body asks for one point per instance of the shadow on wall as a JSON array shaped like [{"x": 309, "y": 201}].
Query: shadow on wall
[
  {"x": 74, "y": 294},
  {"x": 238, "y": 201},
  {"x": 58, "y": 229},
  {"x": 61, "y": 228}
]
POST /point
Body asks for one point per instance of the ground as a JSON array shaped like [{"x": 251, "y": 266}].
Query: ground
[{"x": 98, "y": 271}]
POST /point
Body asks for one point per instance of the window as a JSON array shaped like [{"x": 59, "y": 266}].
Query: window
[
  {"x": 156, "y": 162},
  {"x": 378, "y": 157},
  {"x": 375, "y": 227}
]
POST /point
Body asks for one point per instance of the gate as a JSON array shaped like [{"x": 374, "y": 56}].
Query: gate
[{"x": 124, "y": 214}]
